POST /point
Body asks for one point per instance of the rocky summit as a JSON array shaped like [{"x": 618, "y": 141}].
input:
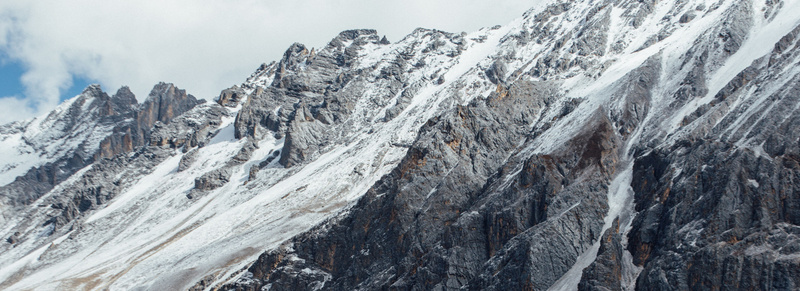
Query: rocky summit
[{"x": 590, "y": 145}]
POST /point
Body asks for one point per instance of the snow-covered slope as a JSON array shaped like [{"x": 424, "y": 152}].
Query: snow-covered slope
[
  {"x": 364, "y": 164},
  {"x": 71, "y": 128}
]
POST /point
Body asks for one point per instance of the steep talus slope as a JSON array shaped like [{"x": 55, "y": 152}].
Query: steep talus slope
[{"x": 592, "y": 145}]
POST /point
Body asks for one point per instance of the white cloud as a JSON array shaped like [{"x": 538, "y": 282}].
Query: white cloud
[
  {"x": 13, "y": 108},
  {"x": 203, "y": 46}
]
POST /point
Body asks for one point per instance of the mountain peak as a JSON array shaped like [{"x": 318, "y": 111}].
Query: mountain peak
[
  {"x": 92, "y": 90},
  {"x": 124, "y": 99},
  {"x": 356, "y": 33},
  {"x": 164, "y": 103}
]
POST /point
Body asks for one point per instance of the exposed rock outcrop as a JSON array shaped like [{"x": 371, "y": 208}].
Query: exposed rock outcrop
[
  {"x": 213, "y": 180},
  {"x": 448, "y": 188},
  {"x": 91, "y": 116}
]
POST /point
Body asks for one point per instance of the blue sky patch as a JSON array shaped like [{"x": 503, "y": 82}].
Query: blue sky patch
[
  {"x": 78, "y": 84},
  {"x": 9, "y": 79},
  {"x": 10, "y": 84}
]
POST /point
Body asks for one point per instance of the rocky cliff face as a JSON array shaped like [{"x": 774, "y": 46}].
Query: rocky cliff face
[
  {"x": 592, "y": 145},
  {"x": 55, "y": 146}
]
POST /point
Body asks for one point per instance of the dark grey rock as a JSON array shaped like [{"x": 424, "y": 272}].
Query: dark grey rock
[
  {"x": 637, "y": 95},
  {"x": 231, "y": 97},
  {"x": 213, "y": 179},
  {"x": 605, "y": 273},
  {"x": 164, "y": 103},
  {"x": 187, "y": 160},
  {"x": 686, "y": 17},
  {"x": 497, "y": 72},
  {"x": 191, "y": 129},
  {"x": 244, "y": 153},
  {"x": 707, "y": 206},
  {"x": 14, "y": 238},
  {"x": 637, "y": 11},
  {"x": 736, "y": 27},
  {"x": 402, "y": 102},
  {"x": 303, "y": 138},
  {"x": 592, "y": 39},
  {"x": 253, "y": 173}
]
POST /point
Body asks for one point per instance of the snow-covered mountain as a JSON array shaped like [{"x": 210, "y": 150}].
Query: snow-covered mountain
[{"x": 593, "y": 145}]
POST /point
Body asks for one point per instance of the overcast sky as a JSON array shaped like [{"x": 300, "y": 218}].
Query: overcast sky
[{"x": 50, "y": 49}]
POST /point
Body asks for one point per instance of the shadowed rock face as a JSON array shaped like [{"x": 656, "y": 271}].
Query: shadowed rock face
[
  {"x": 454, "y": 211},
  {"x": 716, "y": 212},
  {"x": 744, "y": 218},
  {"x": 606, "y": 272}
]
